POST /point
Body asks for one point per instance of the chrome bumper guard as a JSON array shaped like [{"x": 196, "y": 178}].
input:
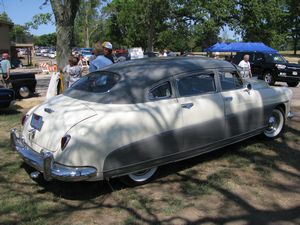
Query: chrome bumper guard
[
  {"x": 44, "y": 162},
  {"x": 290, "y": 115}
]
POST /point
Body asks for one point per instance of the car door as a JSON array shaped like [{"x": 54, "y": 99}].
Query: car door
[
  {"x": 162, "y": 117},
  {"x": 243, "y": 107},
  {"x": 202, "y": 109}
]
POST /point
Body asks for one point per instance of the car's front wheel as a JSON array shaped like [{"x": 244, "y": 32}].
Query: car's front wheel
[
  {"x": 276, "y": 123},
  {"x": 292, "y": 84},
  {"x": 268, "y": 77},
  {"x": 140, "y": 177}
]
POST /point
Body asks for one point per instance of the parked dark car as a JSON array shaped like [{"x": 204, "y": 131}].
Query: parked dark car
[
  {"x": 6, "y": 97},
  {"x": 23, "y": 84},
  {"x": 271, "y": 67}
]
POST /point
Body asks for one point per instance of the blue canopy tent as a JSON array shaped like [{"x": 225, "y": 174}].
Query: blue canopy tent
[{"x": 240, "y": 47}]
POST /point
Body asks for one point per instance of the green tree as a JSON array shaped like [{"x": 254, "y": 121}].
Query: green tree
[
  {"x": 261, "y": 21},
  {"x": 45, "y": 40},
  {"x": 88, "y": 23},
  {"x": 293, "y": 22},
  {"x": 136, "y": 23},
  {"x": 20, "y": 34},
  {"x": 5, "y": 17}
]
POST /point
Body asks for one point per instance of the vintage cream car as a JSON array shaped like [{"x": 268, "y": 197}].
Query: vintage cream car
[{"x": 132, "y": 117}]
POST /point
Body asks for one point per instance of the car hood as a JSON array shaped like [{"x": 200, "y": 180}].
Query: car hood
[
  {"x": 256, "y": 83},
  {"x": 58, "y": 115},
  {"x": 293, "y": 65}
]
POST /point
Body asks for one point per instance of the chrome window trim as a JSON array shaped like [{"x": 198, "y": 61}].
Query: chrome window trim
[
  {"x": 195, "y": 73},
  {"x": 157, "y": 84}
]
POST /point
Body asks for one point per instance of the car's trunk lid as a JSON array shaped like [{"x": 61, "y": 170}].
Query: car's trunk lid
[{"x": 51, "y": 121}]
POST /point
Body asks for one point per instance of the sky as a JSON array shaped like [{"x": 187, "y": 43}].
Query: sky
[{"x": 22, "y": 11}]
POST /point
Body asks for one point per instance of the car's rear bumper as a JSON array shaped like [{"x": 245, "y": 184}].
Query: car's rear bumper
[{"x": 44, "y": 162}]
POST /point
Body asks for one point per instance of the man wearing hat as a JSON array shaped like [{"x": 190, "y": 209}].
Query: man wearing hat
[
  {"x": 107, "y": 49},
  {"x": 5, "y": 69},
  {"x": 100, "y": 61}
]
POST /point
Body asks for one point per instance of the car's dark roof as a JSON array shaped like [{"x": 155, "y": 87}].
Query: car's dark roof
[
  {"x": 158, "y": 68},
  {"x": 138, "y": 75}
]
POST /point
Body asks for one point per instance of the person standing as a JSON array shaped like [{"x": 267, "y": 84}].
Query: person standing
[
  {"x": 100, "y": 61},
  {"x": 72, "y": 71},
  {"x": 107, "y": 50},
  {"x": 245, "y": 64},
  {"x": 5, "y": 69}
]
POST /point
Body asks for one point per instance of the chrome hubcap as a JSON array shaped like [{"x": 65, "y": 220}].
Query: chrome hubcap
[
  {"x": 24, "y": 92},
  {"x": 272, "y": 124},
  {"x": 275, "y": 124}
]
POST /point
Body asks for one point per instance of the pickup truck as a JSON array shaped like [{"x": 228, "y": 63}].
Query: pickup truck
[
  {"x": 271, "y": 67},
  {"x": 23, "y": 84}
]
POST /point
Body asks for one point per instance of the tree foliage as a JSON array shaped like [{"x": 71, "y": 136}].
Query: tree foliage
[
  {"x": 45, "y": 40},
  {"x": 5, "y": 17},
  {"x": 89, "y": 23}
]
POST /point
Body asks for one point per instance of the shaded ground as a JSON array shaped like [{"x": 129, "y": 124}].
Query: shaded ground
[{"x": 252, "y": 182}]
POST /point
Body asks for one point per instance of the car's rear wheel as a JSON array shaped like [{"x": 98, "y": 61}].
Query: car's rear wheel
[
  {"x": 292, "y": 84},
  {"x": 140, "y": 177},
  {"x": 276, "y": 123},
  {"x": 24, "y": 92},
  {"x": 268, "y": 77}
]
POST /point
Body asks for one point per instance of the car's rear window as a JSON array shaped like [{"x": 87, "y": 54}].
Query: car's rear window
[{"x": 96, "y": 82}]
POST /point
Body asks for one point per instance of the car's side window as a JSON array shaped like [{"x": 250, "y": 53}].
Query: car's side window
[
  {"x": 230, "y": 81},
  {"x": 161, "y": 91},
  {"x": 196, "y": 84}
]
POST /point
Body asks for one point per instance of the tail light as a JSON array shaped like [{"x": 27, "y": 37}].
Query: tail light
[
  {"x": 64, "y": 141},
  {"x": 24, "y": 119}
]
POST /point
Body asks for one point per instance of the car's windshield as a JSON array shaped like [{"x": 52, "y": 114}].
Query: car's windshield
[
  {"x": 96, "y": 82},
  {"x": 275, "y": 58}
]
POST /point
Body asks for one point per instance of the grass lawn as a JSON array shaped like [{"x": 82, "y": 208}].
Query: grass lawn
[{"x": 252, "y": 182}]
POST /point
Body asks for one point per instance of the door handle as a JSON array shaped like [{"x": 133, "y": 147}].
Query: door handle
[
  {"x": 228, "y": 99},
  {"x": 187, "y": 105}
]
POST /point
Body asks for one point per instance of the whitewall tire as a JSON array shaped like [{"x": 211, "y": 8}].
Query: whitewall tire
[{"x": 276, "y": 123}]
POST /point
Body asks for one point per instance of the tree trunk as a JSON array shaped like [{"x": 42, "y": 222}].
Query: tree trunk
[
  {"x": 150, "y": 35},
  {"x": 65, "y": 13},
  {"x": 295, "y": 44},
  {"x": 86, "y": 26},
  {"x": 150, "y": 38},
  {"x": 63, "y": 44}
]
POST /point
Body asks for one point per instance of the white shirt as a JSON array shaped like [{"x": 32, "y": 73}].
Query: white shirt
[{"x": 246, "y": 68}]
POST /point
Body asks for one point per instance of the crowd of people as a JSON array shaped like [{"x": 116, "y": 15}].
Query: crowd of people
[{"x": 102, "y": 56}]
